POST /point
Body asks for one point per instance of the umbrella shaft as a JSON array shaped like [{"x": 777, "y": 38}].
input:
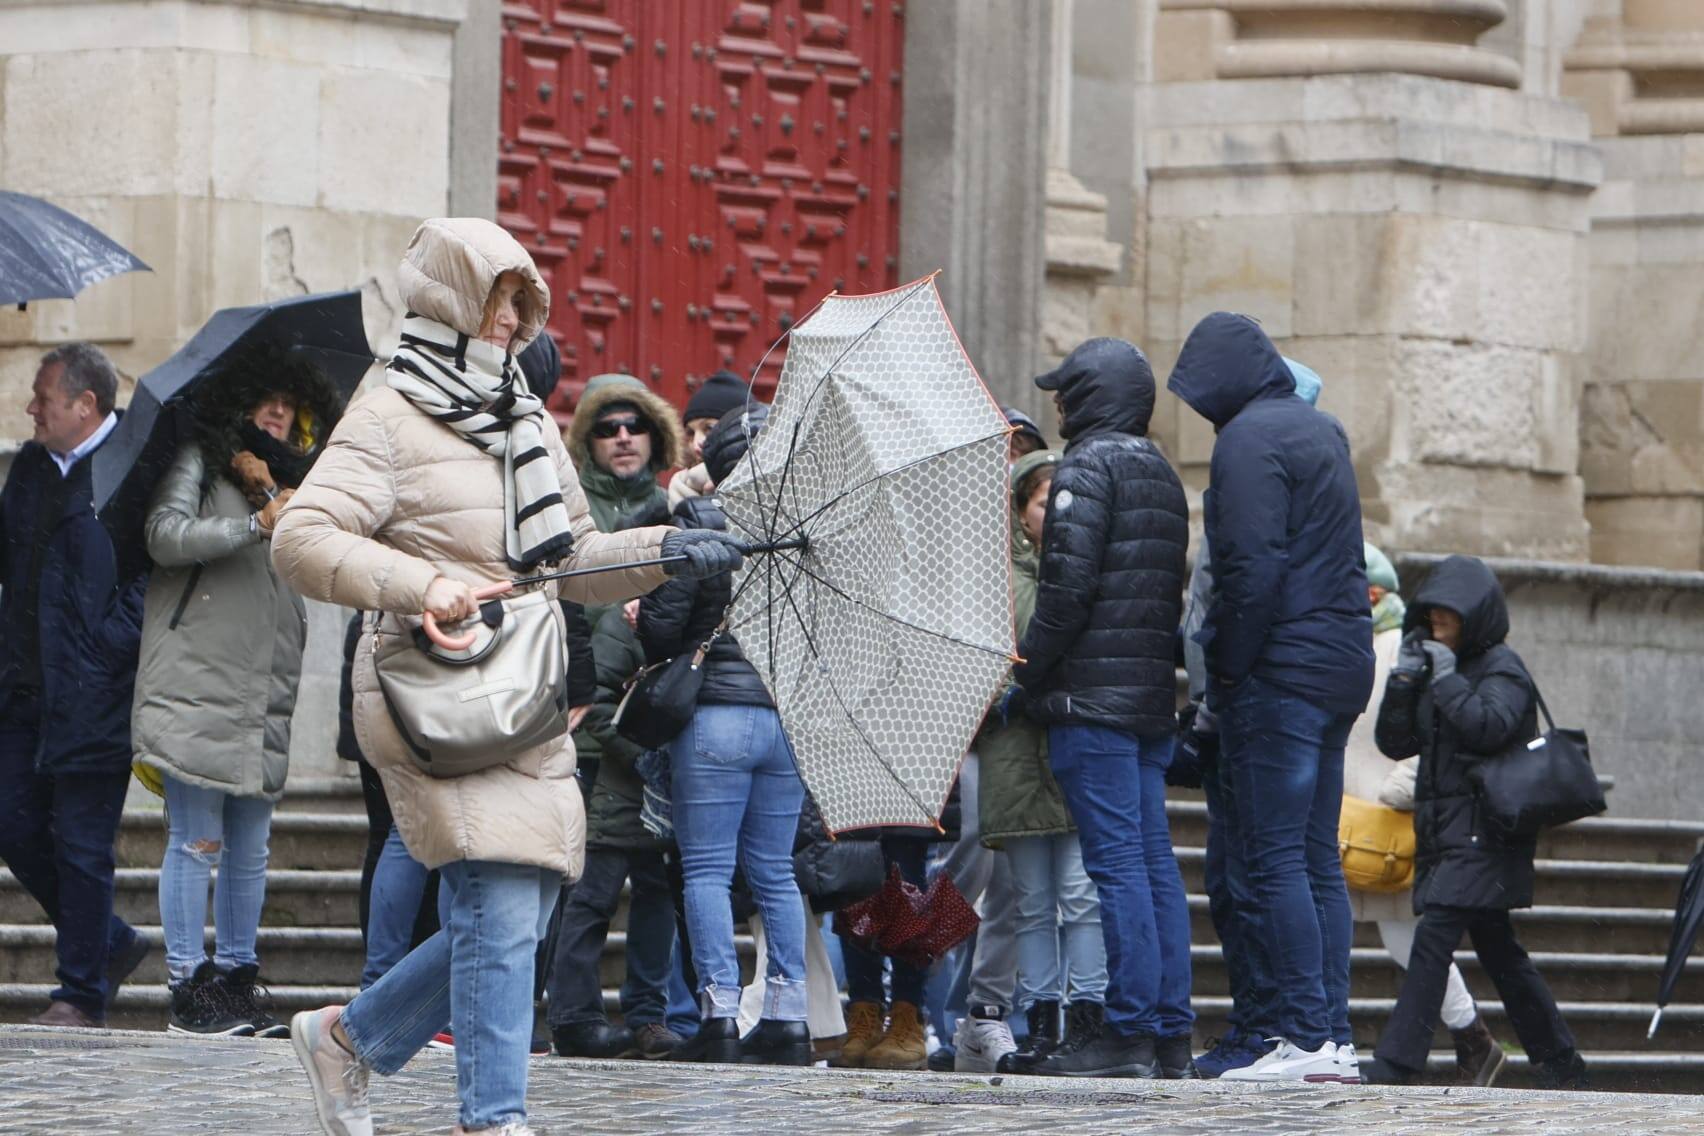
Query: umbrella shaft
[{"x": 747, "y": 549}]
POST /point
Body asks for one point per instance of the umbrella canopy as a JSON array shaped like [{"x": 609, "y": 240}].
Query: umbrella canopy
[
  {"x": 884, "y": 638},
  {"x": 1688, "y": 918},
  {"x": 326, "y": 327},
  {"x": 909, "y": 924},
  {"x": 49, "y": 254}
]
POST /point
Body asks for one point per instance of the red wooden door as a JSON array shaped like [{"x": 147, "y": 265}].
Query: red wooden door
[{"x": 693, "y": 175}]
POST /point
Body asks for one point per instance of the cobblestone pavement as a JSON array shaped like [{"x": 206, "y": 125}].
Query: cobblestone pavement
[{"x": 144, "y": 1084}]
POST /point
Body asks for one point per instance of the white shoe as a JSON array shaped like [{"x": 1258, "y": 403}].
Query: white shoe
[
  {"x": 1290, "y": 1063},
  {"x": 1348, "y": 1064},
  {"x": 513, "y": 1128},
  {"x": 979, "y": 1043},
  {"x": 338, "y": 1077}
]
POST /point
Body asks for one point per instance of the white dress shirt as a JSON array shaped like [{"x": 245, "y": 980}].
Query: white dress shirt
[{"x": 66, "y": 461}]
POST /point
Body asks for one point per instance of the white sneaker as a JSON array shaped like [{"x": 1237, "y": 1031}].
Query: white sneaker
[
  {"x": 979, "y": 1043},
  {"x": 1290, "y": 1063},
  {"x": 339, "y": 1078},
  {"x": 1348, "y": 1064},
  {"x": 513, "y": 1128}
]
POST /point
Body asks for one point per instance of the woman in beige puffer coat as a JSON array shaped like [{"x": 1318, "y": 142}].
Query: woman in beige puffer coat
[{"x": 405, "y": 513}]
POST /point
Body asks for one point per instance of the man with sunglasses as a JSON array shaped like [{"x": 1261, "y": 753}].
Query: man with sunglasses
[{"x": 623, "y": 435}]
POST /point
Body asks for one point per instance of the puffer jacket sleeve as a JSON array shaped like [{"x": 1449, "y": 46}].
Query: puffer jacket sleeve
[
  {"x": 177, "y": 534},
  {"x": 582, "y": 669},
  {"x": 1396, "y": 733},
  {"x": 1486, "y": 715},
  {"x": 597, "y": 549},
  {"x": 1248, "y": 523},
  {"x": 1073, "y": 543},
  {"x": 323, "y": 546}
]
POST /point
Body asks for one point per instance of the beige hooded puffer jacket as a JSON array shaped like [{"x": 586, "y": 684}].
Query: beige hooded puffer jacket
[{"x": 398, "y": 499}]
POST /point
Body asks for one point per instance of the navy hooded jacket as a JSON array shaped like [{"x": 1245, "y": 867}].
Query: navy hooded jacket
[
  {"x": 1099, "y": 650},
  {"x": 1283, "y": 519}
]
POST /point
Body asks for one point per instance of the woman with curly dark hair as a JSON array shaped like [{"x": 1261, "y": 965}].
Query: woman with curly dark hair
[{"x": 222, "y": 645}]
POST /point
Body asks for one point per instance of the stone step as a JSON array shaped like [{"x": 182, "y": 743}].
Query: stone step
[
  {"x": 1626, "y": 883},
  {"x": 1624, "y": 1071},
  {"x": 293, "y": 898},
  {"x": 143, "y": 1005},
  {"x": 300, "y": 841},
  {"x": 324, "y": 794}
]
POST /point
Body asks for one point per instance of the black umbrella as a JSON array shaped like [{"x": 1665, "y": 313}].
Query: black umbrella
[
  {"x": 1688, "y": 918},
  {"x": 326, "y": 327},
  {"x": 49, "y": 254}
]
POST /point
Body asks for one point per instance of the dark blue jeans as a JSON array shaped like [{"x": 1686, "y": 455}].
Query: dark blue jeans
[
  {"x": 1285, "y": 757},
  {"x": 864, "y": 967},
  {"x": 56, "y": 834},
  {"x": 1236, "y": 915},
  {"x": 1114, "y": 784}
]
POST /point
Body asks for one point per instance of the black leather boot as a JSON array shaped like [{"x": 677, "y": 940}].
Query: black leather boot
[
  {"x": 593, "y": 1039},
  {"x": 1043, "y": 1018},
  {"x": 1176, "y": 1058},
  {"x": 1092, "y": 1049},
  {"x": 774, "y": 1042},
  {"x": 717, "y": 1042},
  {"x": 1565, "y": 1072}
]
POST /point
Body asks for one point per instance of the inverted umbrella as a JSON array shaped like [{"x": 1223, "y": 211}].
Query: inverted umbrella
[
  {"x": 326, "y": 328},
  {"x": 1688, "y": 918},
  {"x": 49, "y": 254},
  {"x": 881, "y": 622},
  {"x": 907, "y": 923}
]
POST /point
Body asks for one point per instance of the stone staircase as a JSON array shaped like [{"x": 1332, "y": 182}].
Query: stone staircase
[{"x": 1606, "y": 891}]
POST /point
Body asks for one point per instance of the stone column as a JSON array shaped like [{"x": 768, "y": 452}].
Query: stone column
[
  {"x": 1639, "y": 69},
  {"x": 973, "y": 163},
  {"x": 1418, "y": 239},
  {"x": 247, "y": 152}
]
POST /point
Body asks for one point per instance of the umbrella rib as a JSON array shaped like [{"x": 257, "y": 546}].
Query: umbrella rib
[
  {"x": 873, "y": 479},
  {"x": 793, "y": 443},
  {"x": 810, "y": 644},
  {"x": 849, "y": 598},
  {"x": 751, "y": 387}
]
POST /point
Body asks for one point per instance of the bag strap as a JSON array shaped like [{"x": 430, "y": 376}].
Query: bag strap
[
  {"x": 704, "y": 647},
  {"x": 1549, "y": 722}
]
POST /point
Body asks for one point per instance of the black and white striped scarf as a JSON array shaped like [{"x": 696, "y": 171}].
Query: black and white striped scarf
[{"x": 476, "y": 389}]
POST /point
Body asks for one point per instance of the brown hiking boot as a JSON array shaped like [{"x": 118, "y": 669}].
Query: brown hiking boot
[
  {"x": 863, "y": 1030},
  {"x": 902, "y": 1047},
  {"x": 1478, "y": 1056}
]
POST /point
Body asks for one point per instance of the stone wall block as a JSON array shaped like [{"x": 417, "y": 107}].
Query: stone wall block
[
  {"x": 1239, "y": 264},
  {"x": 1187, "y": 44},
  {"x": 1658, "y": 532},
  {"x": 1341, "y": 268},
  {"x": 374, "y": 130},
  {"x": 266, "y": 121},
  {"x": 1531, "y": 287},
  {"x": 1467, "y": 404}
]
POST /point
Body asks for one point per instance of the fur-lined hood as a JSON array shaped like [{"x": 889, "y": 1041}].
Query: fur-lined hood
[
  {"x": 668, "y": 442},
  {"x": 451, "y": 265},
  {"x": 222, "y": 404}
]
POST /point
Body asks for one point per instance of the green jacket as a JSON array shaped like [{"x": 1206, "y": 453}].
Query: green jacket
[
  {"x": 612, "y": 815},
  {"x": 1018, "y": 795}
]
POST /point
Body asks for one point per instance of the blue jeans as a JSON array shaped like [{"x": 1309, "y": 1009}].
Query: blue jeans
[
  {"x": 1285, "y": 757},
  {"x": 207, "y": 829},
  {"x": 1058, "y": 914},
  {"x": 736, "y": 796},
  {"x": 56, "y": 834},
  {"x": 475, "y": 975},
  {"x": 1114, "y": 784},
  {"x": 399, "y": 883},
  {"x": 1236, "y": 914}
]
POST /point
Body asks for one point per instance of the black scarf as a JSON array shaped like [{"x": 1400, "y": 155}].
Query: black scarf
[{"x": 288, "y": 467}]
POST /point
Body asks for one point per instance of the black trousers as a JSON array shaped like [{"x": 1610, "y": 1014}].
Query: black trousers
[
  {"x": 585, "y": 912},
  {"x": 1531, "y": 1009}
]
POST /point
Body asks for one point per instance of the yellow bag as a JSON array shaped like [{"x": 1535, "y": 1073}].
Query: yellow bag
[{"x": 1377, "y": 846}]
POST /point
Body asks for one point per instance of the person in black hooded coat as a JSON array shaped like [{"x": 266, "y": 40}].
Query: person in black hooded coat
[
  {"x": 1459, "y": 695},
  {"x": 1099, "y": 672},
  {"x": 1288, "y": 644}
]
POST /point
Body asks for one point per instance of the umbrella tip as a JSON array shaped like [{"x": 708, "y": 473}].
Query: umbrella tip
[{"x": 1655, "y": 1018}]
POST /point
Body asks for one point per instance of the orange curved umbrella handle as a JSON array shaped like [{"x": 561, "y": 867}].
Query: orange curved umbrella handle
[{"x": 463, "y": 642}]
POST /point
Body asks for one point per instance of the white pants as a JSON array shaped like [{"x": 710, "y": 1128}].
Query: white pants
[
  {"x": 823, "y": 1012},
  {"x": 1398, "y": 935}
]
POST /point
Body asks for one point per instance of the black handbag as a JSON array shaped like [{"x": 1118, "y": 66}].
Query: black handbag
[
  {"x": 661, "y": 698},
  {"x": 1541, "y": 784}
]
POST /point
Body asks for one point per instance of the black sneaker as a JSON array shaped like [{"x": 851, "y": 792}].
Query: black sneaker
[
  {"x": 1565, "y": 1072},
  {"x": 250, "y": 999},
  {"x": 1176, "y": 1058},
  {"x": 201, "y": 1005},
  {"x": 1102, "y": 1053}
]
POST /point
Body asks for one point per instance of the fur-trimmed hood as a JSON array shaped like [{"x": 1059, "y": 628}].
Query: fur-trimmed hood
[
  {"x": 668, "y": 441},
  {"x": 222, "y": 404}
]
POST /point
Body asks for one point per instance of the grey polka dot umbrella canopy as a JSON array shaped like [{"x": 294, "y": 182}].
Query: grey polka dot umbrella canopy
[{"x": 884, "y": 634}]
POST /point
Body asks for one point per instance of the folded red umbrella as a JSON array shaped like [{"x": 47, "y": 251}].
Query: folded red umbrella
[{"x": 908, "y": 924}]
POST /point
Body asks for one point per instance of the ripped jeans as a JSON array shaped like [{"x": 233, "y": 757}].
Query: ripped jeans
[{"x": 207, "y": 829}]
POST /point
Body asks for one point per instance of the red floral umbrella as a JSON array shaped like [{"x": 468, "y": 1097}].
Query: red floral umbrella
[{"x": 910, "y": 925}]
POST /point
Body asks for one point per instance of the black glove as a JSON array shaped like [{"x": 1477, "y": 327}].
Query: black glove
[
  {"x": 708, "y": 553},
  {"x": 1197, "y": 753},
  {"x": 1412, "y": 661}
]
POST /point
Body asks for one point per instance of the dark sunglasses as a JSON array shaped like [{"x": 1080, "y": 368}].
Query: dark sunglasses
[{"x": 610, "y": 427}]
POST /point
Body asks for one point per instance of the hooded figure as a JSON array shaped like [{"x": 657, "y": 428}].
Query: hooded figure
[
  {"x": 1283, "y": 518},
  {"x": 1456, "y": 704},
  {"x": 614, "y": 499}
]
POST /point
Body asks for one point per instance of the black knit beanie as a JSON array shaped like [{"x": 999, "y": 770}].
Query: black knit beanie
[{"x": 720, "y": 393}]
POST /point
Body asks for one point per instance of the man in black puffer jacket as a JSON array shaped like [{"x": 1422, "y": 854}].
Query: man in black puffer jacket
[
  {"x": 1099, "y": 672},
  {"x": 1289, "y": 651}
]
